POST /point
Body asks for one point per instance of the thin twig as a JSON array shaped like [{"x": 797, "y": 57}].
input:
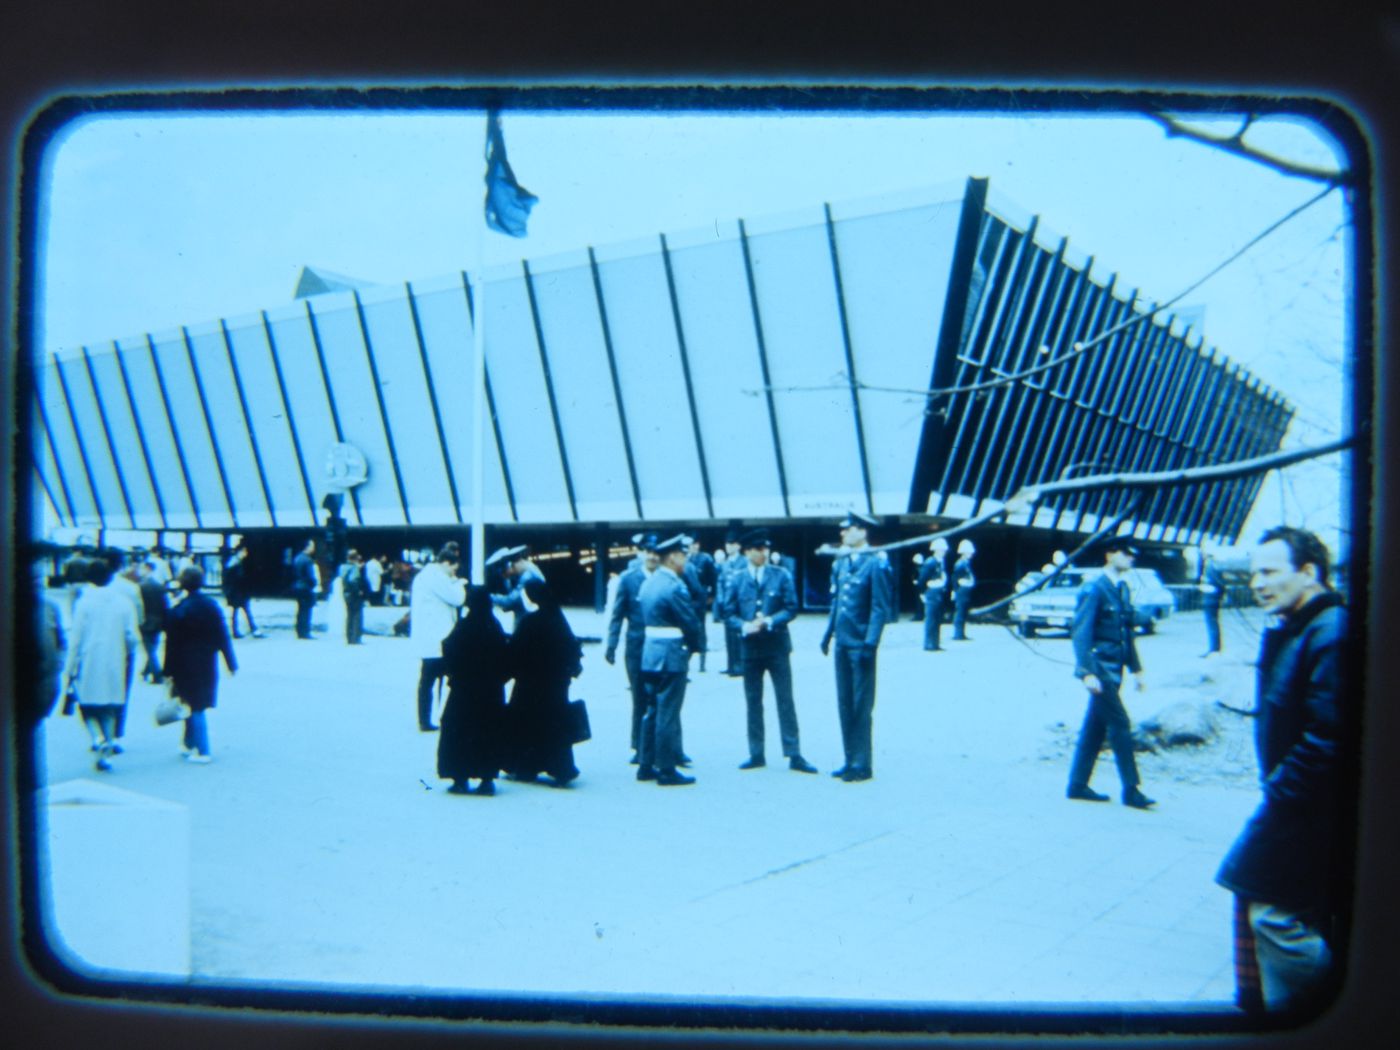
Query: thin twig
[{"x": 1235, "y": 144}]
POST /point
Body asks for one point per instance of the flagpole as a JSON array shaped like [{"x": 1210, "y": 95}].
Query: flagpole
[{"x": 478, "y": 533}]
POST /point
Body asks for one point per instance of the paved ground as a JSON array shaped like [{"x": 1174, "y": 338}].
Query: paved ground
[{"x": 326, "y": 851}]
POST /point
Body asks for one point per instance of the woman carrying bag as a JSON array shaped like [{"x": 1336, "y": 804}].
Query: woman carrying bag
[{"x": 195, "y": 633}]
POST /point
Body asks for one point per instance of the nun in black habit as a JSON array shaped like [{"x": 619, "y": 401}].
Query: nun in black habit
[
  {"x": 544, "y": 657},
  {"x": 471, "y": 741}
]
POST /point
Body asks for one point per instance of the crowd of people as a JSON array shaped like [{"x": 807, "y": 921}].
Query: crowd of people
[{"x": 122, "y": 607}]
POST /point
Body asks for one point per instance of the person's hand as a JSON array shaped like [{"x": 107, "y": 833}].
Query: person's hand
[
  {"x": 610, "y": 656},
  {"x": 826, "y": 646},
  {"x": 1092, "y": 683}
]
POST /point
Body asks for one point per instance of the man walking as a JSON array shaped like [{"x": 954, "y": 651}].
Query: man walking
[
  {"x": 1281, "y": 867},
  {"x": 627, "y": 605},
  {"x": 155, "y": 605},
  {"x": 1212, "y": 593},
  {"x": 672, "y": 634},
  {"x": 436, "y": 594},
  {"x": 304, "y": 584},
  {"x": 1103, "y": 645},
  {"x": 759, "y": 604},
  {"x": 862, "y": 602}
]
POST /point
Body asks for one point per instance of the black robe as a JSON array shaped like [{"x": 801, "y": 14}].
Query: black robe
[
  {"x": 545, "y": 656},
  {"x": 471, "y": 734}
]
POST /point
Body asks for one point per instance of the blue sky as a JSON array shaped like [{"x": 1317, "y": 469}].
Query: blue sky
[{"x": 153, "y": 221}]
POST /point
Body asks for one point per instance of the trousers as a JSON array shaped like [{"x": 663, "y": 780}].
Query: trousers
[
  {"x": 933, "y": 613},
  {"x": 855, "y": 703},
  {"x": 1211, "y": 610},
  {"x": 661, "y": 723},
  {"x": 632, "y": 661},
  {"x": 434, "y": 667},
  {"x": 758, "y": 658},
  {"x": 1293, "y": 955},
  {"x": 1106, "y": 716}
]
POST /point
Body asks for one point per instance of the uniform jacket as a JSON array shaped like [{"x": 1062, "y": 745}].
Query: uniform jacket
[
  {"x": 862, "y": 599},
  {"x": 433, "y": 601},
  {"x": 775, "y": 597},
  {"x": 666, "y": 602},
  {"x": 962, "y": 573},
  {"x": 933, "y": 578},
  {"x": 195, "y": 635},
  {"x": 1285, "y": 852},
  {"x": 514, "y": 599},
  {"x": 102, "y": 646},
  {"x": 1103, "y": 631},
  {"x": 304, "y": 577},
  {"x": 627, "y": 606}
]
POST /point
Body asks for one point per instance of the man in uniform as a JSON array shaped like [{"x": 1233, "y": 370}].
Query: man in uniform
[
  {"x": 733, "y": 563},
  {"x": 862, "y": 602},
  {"x": 1103, "y": 645},
  {"x": 305, "y": 583},
  {"x": 759, "y": 603},
  {"x": 963, "y": 582},
  {"x": 700, "y": 574},
  {"x": 1282, "y": 868},
  {"x": 1212, "y": 593},
  {"x": 516, "y": 570},
  {"x": 933, "y": 586},
  {"x": 672, "y": 634},
  {"x": 627, "y": 606}
]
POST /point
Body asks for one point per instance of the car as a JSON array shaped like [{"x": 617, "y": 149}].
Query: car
[{"x": 1052, "y": 606}]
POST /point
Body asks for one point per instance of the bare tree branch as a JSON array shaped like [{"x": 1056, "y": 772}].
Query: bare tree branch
[
  {"x": 1044, "y": 581},
  {"x": 1079, "y": 347},
  {"x": 1032, "y": 494},
  {"x": 1235, "y": 144}
]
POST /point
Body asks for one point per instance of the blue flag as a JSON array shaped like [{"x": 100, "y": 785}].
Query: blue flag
[{"x": 508, "y": 203}]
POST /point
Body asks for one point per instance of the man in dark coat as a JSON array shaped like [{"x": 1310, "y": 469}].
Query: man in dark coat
[
  {"x": 963, "y": 582},
  {"x": 700, "y": 575},
  {"x": 1281, "y": 868},
  {"x": 759, "y": 604},
  {"x": 862, "y": 602},
  {"x": 236, "y": 591},
  {"x": 195, "y": 634},
  {"x": 305, "y": 582},
  {"x": 672, "y": 634},
  {"x": 154, "y": 607},
  {"x": 1103, "y": 645},
  {"x": 627, "y": 606}
]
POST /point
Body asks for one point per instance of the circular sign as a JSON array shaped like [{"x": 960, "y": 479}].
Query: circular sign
[{"x": 346, "y": 467}]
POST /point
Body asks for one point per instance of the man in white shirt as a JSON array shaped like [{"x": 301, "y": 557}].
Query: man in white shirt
[
  {"x": 374, "y": 580},
  {"x": 436, "y": 596}
]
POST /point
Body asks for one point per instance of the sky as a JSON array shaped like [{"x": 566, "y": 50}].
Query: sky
[{"x": 151, "y": 221}]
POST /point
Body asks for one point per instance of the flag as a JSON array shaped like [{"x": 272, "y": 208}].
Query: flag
[{"x": 508, "y": 203}]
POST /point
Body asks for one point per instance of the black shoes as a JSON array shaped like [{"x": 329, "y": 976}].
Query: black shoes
[
  {"x": 646, "y": 773},
  {"x": 853, "y": 776},
  {"x": 684, "y": 761},
  {"x": 754, "y": 763},
  {"x": 798, "y": 764},
  {"x": 634, "y": 760},
  {"x": 1085, "y": 793},
  {"x": 430, "y": 728},
  {"x": 670, "y": 778},
  {"x": 840, "y": 774},
  {"x": 1138, "y": 800},
  {"x": 486, "y": 787},
  {"x": 459, "y": 787}
]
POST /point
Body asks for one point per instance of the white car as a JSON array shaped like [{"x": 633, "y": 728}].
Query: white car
[{"x": 1053, "y": 605}]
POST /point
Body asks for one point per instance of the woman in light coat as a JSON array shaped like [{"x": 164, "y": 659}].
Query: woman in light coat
[{"x": 102, "y": 647}]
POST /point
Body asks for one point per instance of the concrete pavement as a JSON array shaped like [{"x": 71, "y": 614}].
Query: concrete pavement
[{"x": 325, "y": 850}]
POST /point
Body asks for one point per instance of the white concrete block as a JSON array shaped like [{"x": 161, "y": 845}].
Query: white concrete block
[{"x": 115, "y": 873}]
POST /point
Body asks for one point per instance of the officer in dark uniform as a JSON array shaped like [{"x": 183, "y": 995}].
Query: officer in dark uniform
[
  {"x": 672, "y": 634},
  {"x": 933, "y": 588},
  {"x": 963, "y": 582},
  {"x": 734, "y": 562},
  {"x": 1103, "y": 646},
  {"x": 760, "y": 602},
  {"x": 627, "y": 606},
  {"x": 699, "y": 576},
  {"x": 862, "y": 602}
]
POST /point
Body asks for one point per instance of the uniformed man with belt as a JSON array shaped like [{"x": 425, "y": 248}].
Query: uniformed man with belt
[
  {"x": 673, "y": 632},
  {"x": 733, "y": 563},
  {"x": 862, "y": 602},
  {"x": 627, "y": 606},
  {"x": 759, "y": 604},
  {"x": 933, "y": 588},
  {"x": 1103, "y": 646}
]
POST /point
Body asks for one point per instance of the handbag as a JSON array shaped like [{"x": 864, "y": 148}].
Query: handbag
[
  {"x": 579, "y": 729},
  {"x": 171, "y": 709}
]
